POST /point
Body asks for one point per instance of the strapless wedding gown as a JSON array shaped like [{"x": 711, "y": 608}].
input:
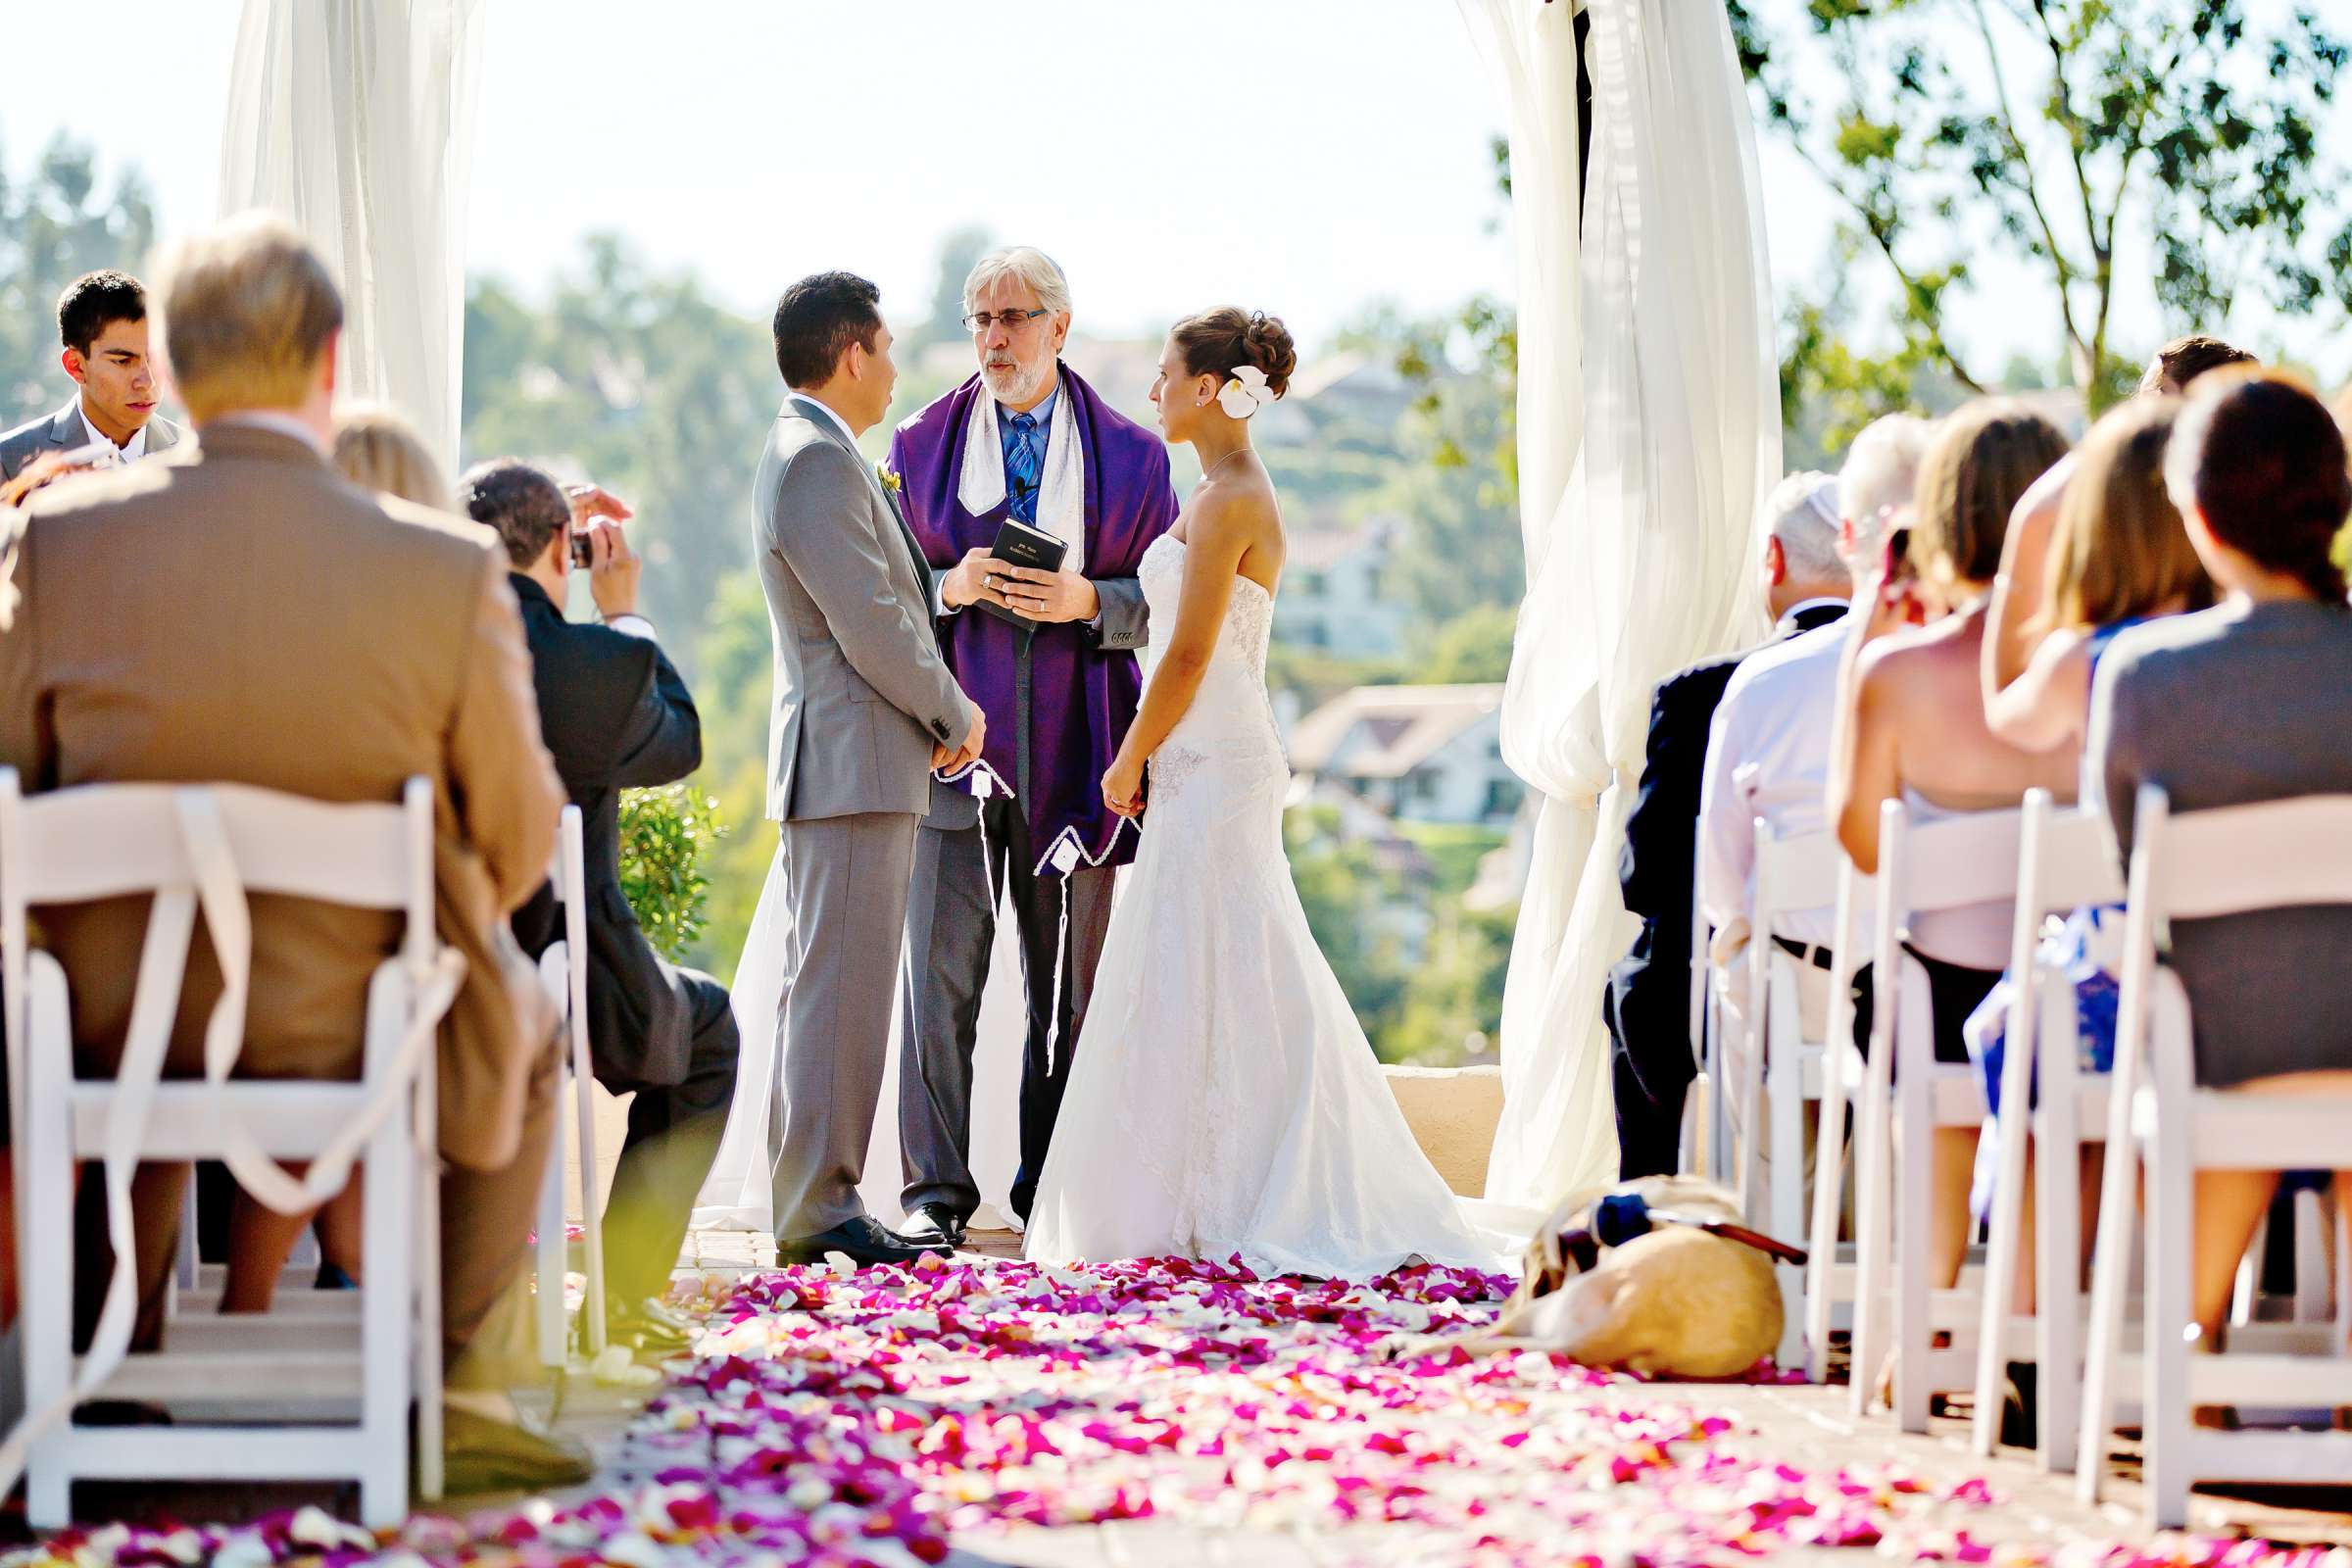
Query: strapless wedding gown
[{"x": 1223, "y": 1099}]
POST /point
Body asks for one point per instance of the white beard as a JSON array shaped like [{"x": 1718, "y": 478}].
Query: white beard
[{"x": 1016, "y": 385}]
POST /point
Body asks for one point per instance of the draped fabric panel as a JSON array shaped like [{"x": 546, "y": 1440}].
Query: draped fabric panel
[
  {"x": 354, "y": 118},
  {"x": 1649, "y": 436}
]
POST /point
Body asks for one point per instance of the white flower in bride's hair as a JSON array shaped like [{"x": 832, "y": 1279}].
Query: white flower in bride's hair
[{"x": 1246, "y": 393}]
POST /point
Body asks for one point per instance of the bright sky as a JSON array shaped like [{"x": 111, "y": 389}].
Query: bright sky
[
  {"x": 1304, "y": 157},
  {"x": 1296, "y": 156}
]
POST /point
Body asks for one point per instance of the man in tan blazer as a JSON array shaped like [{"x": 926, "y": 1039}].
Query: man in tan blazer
[{"x": 232, "y": 610}]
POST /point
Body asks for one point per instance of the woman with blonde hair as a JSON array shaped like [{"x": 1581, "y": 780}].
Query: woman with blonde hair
[
  {"x": 377, "y": 449},
  {"x": 2120, "y": 555}
]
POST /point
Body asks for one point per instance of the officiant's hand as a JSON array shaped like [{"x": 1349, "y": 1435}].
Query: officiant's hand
[
  {"x": 967, "y": 582},
  {"x": 1123, "y": 785},
  {"x": 1051, "y": 597}
]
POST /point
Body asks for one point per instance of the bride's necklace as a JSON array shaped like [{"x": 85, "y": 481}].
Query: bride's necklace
[{"x": 1220, "y": 462}]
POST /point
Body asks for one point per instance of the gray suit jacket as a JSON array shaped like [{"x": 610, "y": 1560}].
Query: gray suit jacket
[
  {"x": 62, "y": 431},
  {"x": 862, "y": 693}
]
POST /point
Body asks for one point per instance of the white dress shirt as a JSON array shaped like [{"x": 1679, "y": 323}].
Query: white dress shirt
[
  {"x": 1768, "y": 756},
  {"x": 130, "y": 451},
  {"x": 839, "y": 424}
]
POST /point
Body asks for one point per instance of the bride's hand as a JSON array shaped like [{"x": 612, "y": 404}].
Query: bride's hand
[{"x": 1123, "y": 786}]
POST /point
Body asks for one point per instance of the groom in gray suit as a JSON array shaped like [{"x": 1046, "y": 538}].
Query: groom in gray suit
[{"x": 865, "y": 711}]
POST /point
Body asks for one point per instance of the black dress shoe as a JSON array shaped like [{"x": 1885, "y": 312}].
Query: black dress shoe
[
  {"x": 864, "y": 1242},
  {"x": 480, "y": 1454},
  {"x": 2021, "y": 1406},
  {"x": 934, "y": 1223}
]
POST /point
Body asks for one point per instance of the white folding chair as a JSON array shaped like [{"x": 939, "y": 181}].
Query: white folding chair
[
  {"x": 351, "y": 1379},
  {"x": 1791, "y": 876},
  {"x": 563, "y": 970},
  {"x": 1949, "y": 864},
  {"x": 1832, "y": 1274},
  {"x": 2065, "y": 862},
  {"x": 1699, "y": 1118},
  {"x": 2206, "y": 865}
]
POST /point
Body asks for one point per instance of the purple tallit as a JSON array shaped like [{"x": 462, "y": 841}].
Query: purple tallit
[{"x": 1081, "y": 697}]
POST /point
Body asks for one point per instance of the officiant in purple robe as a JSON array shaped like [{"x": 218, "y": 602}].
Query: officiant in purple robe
[{"x": 1026, "y": 439}]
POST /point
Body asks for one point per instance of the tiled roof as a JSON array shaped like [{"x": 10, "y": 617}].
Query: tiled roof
[{"x": 1401, "y": 727}]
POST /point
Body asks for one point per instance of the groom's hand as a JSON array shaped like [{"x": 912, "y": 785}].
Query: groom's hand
[
  {"x": 1051, "y": 597},
  {"x": 967, "y": 582},
  {"x": 947, "y": 761}
]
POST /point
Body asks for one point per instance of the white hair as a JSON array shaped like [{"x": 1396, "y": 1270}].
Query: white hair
[
  {"x": 1881, "y": 472},
  {"x": 1801, "y": 513},
  {"x": 1023, "y": 264}
]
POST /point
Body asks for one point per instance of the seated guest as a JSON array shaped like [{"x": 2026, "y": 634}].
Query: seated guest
[
  {"x": 232, "y": 611},
  {"x": 1912, "y": 728},
  {"x": 377, "y": 450},
  {"x": 2120, "y": 555},
  {"x": 1768, "y": 750},
  {"x": 2018, "y": 591},
  {"x": 1805, "y": 585},
  {"x": 616, "y": 716},
  {"x": 2249, "y": 701},
  {"x": 102, "y": 328}
]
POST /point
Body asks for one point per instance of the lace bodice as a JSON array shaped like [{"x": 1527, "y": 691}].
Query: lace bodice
[{"x": 1231, "y": 714}]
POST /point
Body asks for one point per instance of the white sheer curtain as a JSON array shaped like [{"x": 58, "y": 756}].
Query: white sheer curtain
[
  {"x": 355, "y": 119},
  {"x": 1648, "y": 434}
]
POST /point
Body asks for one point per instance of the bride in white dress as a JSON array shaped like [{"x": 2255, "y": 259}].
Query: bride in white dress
[{"x": 1223, "y": 1099}]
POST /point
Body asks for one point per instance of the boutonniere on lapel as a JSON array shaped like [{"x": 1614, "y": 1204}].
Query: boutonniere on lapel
[{"x": 890, "y": 481}]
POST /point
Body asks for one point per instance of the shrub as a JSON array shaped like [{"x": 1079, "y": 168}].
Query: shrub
[{"x": 664, "y": 834}]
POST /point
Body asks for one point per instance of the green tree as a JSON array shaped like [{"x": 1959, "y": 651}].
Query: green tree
[
  {"x": 2042, "y": 130},
  {"x": 1344, "y": 891},
  {"x": 1457, "y": 485},
  {"x": 641, "y": 381},
  {"x": 1456, "y": 993},
  {"x": 959, "y": 252},
  {"x": 57, "y": 222},
  {"x": 733, "y": 692},
  {"x": 1473, "y": 648}
]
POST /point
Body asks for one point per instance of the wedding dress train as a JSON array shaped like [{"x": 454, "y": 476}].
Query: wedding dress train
[{"x": 1224, "y": 1100}]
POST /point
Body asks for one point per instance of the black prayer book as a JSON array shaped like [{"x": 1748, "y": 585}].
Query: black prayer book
[{"x": 1024, "y": 545}]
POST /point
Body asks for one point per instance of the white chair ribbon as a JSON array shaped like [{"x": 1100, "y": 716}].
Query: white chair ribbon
[
  {"x": 163, "y": 964},
  {"x": 229, "y": 921}
]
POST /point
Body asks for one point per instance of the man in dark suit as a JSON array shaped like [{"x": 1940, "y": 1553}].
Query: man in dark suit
[
  {"x": 615, "y": 716},
  {"x": 1806, "y": 585},
  {"x": 102, "y": 336}
]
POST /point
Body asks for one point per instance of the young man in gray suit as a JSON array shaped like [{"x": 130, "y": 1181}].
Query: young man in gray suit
[
  {"x": 102, "y": 332},
  {"x": 865, "y": 712}
]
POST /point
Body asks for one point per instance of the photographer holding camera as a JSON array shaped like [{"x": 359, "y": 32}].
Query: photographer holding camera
[{"x": 615, "y": 716}]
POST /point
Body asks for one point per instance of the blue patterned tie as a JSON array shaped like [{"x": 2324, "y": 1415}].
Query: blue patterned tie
[{"x": 1023, "y": 463}]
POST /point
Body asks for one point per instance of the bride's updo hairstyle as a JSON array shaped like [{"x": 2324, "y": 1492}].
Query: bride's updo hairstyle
[{"x": 1219, "y": 342}]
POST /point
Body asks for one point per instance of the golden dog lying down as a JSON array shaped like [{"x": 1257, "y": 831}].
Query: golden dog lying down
[{"x": 1679, "y": 1301}]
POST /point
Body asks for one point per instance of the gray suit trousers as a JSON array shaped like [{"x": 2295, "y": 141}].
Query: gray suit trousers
[
  {"x": 847, "y": 880},
  {"x": 950, "y": 932}
]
